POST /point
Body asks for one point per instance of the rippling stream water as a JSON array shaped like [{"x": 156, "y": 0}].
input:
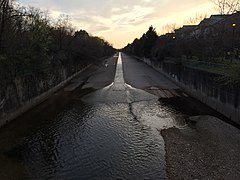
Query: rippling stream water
[{"x": 111, "y": 133}]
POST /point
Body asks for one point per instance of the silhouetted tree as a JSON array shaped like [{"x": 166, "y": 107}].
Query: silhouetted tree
[
  {"x": 32, "y": 44},
  {"x": 142, "y": 47},
  {"x": 197, "y": 19},
  {"x": 169, "y": 28},
  {"x": 150, "y": 39},
  {"x": 6, "y": 13},
  {"x": 227, "y": 6}
]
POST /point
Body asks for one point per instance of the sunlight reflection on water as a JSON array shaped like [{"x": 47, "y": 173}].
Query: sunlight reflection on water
[{"x": 112, "y": 133}]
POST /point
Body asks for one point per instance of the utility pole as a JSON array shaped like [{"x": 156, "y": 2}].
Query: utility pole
[{"x": 233, "y": 39}]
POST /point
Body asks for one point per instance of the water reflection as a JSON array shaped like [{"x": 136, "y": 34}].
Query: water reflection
[
  {"x": 111, "y": 133},
  {"x": 102, "y": 143}
]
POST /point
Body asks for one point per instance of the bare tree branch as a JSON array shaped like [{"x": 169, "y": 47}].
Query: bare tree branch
[
  {"x": 226, "y": 6},
  {"x": 195, "y": 20},
  {"x": 169, "y": 28}
]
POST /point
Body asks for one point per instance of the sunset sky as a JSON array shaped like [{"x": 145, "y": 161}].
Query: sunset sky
[{"x": 120, "y": 21}]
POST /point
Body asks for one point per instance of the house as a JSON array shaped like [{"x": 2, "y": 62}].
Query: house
[
  {"x": 225, "y": 28},
  {"x": 205, "y": 27},
  {"x": 185, "y": 32}
]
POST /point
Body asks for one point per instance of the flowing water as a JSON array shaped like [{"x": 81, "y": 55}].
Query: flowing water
[{"x": 112, "y": 133}]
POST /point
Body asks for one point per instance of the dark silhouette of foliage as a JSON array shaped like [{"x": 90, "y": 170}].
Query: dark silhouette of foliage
[
  {"x": 142, "y": 47},
  {"x": 212, "y": 41},
  {"x": 30, "y": 44},
  {"x": 150, "y": 39}
]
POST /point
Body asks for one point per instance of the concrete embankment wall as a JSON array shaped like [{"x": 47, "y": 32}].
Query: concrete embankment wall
[
  {"x": 19, "y": 94},
  {"x": 203, "y": 86}
]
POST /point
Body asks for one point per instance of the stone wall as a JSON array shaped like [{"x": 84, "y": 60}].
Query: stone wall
[{"x": 203, "y": 86}]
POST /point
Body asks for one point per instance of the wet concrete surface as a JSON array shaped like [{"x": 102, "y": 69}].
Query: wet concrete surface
[
  {"x": 208, "y": 147},
  {"x": 104, "y": 76},
  {"x": 97, "y": 76},
  {"x": 96, "y": 129},
  {"x": 140, "y": 75}
]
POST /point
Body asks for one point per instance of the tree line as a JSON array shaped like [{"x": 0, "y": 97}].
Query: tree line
[
  {"x": 30, "y": 42},
  {"x": 220, "y": 47},
  {"x": 221, "y": 39}
]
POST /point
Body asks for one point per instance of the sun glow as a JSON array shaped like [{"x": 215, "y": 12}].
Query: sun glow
[{"x": 120, "y": 22}]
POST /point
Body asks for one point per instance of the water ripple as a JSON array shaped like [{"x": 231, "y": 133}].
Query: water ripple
[{"x": 108, "y": 135}]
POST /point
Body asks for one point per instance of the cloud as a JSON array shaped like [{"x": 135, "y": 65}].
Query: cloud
[
  {"x": 109, "y": 18},
  {"x": 133, "y": 17}
]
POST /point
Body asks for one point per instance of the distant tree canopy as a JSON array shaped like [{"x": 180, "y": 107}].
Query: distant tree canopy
[
  {"x": 30, "y": 42},
  {"x": 142, "y": 47},
  {"x": 205, "y": 42},
  {"x": 200, "y": 44}
]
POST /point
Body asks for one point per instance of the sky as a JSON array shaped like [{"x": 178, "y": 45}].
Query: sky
[{"x": 121, "y": 21}]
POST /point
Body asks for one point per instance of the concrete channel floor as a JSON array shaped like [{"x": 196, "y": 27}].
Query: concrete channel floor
[
  {"x": 140, "y": 75},
  {"x": 206, "y": 149},
  {"x": 97, "y": 76}
]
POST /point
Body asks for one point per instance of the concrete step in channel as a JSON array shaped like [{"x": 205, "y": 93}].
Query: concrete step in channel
[
  {"x": 162, "y": 93},
  {"x": 73, "y": 86}
]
